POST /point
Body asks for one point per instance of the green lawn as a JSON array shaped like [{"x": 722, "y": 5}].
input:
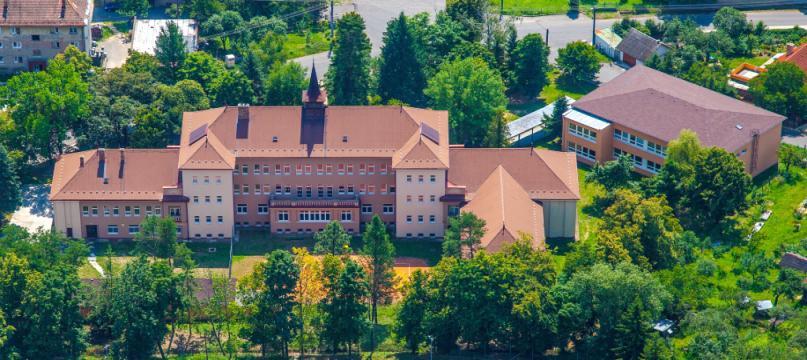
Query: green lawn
[
  {"x": 731, "y": 63},
  {"x": 555, "y": 90},
  {"x": 545, "y": 7},
  {"x": 298, "y": 45}
]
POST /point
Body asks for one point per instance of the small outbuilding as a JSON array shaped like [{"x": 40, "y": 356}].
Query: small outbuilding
[
  {"x": 606, "y": 41},
  {"x": 664, "y": 326},
  {"x": 525, "y": 130},
  {"x": 146, "y": 31},
  {"x": 637, "y": 47}
]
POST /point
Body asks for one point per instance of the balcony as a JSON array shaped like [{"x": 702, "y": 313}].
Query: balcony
[{"x": 292, "y": 201}]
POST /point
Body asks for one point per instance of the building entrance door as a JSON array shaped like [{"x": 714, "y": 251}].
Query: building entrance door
[{"x": 92, "y": 231}]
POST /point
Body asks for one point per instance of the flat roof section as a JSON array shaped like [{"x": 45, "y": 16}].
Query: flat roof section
[
  {"x": 145, "y": 33},
  {"x": 586, "y": 119}
]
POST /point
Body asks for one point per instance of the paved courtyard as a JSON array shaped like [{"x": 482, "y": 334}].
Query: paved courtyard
[{"x": 35, "y": 213}]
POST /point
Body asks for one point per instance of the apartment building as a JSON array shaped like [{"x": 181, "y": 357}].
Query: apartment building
[
  {"x": 639, "y": 112},
  {"x": 293, "y": 169},
  {"x": 34, "y": 31}
]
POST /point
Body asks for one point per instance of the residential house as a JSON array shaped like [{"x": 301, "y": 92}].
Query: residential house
[
  {"x": 34, "y": 31},
  {"x": 796, "y": 55},
  {"x": 637, "y": 47},
  {"x": 640, "y": 111},
  {"x": 293, "y": 169}
]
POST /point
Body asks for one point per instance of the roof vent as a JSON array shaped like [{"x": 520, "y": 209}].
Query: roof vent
[
  {"x": 81, "y": 161},
  {"x": 344, "y": 139},
  {"x": 274, "y": 139},
  {"x": 122, "y": 164},
  {"x": 738, "y": 126},
  {"x": 242, "y": 124},
  {"x": 106, "y": 180},
  {"x": 101, "y": 164}
]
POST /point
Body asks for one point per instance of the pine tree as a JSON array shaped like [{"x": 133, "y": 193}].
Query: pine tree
[
  {"x": 10, "y": 196},
  {"x": 400, "y": 73},
  {"x": 381, "y": 255},
  {"x": 170, "y": 51},
  {"x": 348, "y": 78},
  {"x": 332, "y": 240}
]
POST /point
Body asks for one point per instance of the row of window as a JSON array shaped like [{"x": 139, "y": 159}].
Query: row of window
[
  {"x": 197, "y": 219},
  {"x": 582, "y": 132},
  {"x": 113, "y": 229},
  {"x": 310, "y": 169},
  {"x": 421, "y": 198},
  {"x": 17, "y": 60},
  {"x": 308, "y": 191},
  {"x": 314, "y": 216},
  {"x": 420, "y": 219},
  {"x": 639, "y": 161},
  {"x": 15, "y": 30},
  {"x": 127, "y": 210},
  {"x": 432, "y": 178},
  {"x": 205, "y": 179},
  {"x": 582, "y": 151},
  {"x": 196, "y": 198},
  {"x": 640, "y": 143}
]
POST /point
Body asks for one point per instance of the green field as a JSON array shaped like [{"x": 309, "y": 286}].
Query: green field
[
  {"x": 298, "y": 45},
  {"x": 546, "y": 7}
]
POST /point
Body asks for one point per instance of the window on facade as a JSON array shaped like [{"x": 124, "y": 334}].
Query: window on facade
[
  {"x": 256, "y": 169},
  {"x": 196, "y": 219},
  {"x": 207, "y": 199},
  {"x": 267, "y": 189},
  {"x": 299, "y": 169},
  {"x": 350, "y": 189},
  {"x": 583, "y": 151},
  {"x": 174, "y": 212},
  {"x": 367, "y": 209},
  {"x": 137, "y": 211},
  {"x": 112, "y": 229},
  {"x": 244, "y": 169},
  {"x": 287, "y": 190},
  {"x": 329, "y": 191},
  {"x": 195, "y": 179},
  {"x": 453, "y": 210},
  {"x": 208, "y": 219},
  {"x": 383, "y": 169},
  {"x": 362, "y": 170},
  {"x": 134, "y": 229},
  {"x": 409, "y": 178},
  {"x": 195, "y": 199},
  {"x": 420, "y": 178},
  {"x": 432, "y": 219},
  {"x": 370, "y": 189},
  {"x": 16, "y": 45},
  {"x": 263, "y": 209},
  {"x": 218, "y": 199},
  {"x": 106, "y": 211},
  {"x": 207, "y": 179},
  {"x": 320, "y": 191},
  {"x": 370, "y": 169},
  {"x": 257, "y": 189},
  {"x": 420, "y": 219},
  {"x": 236, "y": 189},
  {"x": 127, "y": 211},
  {"x": 308, "y": 192},
  {"x": 391, "y": 189},
  {"x": 308, "y": 169},
  {"x": 653, "y": 167},
  {"x": 362, "y": 189},
  {"x": 148, "y": 210},
  {"x": 346, "y": 216},
  {"x": 115, "y": 211},
  {"x": 328, "y": 169},
  {"x": 245, "y": 189},
  {"x": 74, "y": 30},
  {"x": 408, "y": 219},
  {"x": 432, "y": 178},
  {"x": 220, "y": 219},
  {"x": 241, "y": 209},
  {"x": 389, "y": 209},
  {"x": 408, "y": 198},
  {"x": 314, "y": 216},
  {"x": 287, "y": 169},
  {"x": 158, "y": 211},
  {"x": 283, "y": 216},
  {"x": 582, "y": 132},
  {"x": 266, "y": 170},
  {"x": 218, "y": 179},
  {"x": 277, "y": 169}
]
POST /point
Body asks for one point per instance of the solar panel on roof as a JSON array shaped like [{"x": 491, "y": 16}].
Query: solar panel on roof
[
  {"x": 197, "y": 134},
  {"x": 430, "y": 133}
]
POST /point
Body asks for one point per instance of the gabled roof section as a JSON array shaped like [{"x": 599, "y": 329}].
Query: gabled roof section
[
  {"x": 660, "y": 105},
  {"x": 544, "y": 174},
  {"x": 199, "y": 147},
  {"x": 46, "y": 13},
  {"x": 145, "y": 172},
  {"x": 797, "y": 57},
  {"x": 421, "y": 151},
  {"x": 639, "y": 45},
  {"x": 507, "y": 210}
]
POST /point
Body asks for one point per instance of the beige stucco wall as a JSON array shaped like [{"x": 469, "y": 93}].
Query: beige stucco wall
[
  {"x": 560, "y": 218},
  {"x": 415, "y": 207},
  {"x": 767, "y": 151},
  {"x": 213, "y": 209},
  {"x": 67, "y": 214},
  {"x": 41, "y": 50}
]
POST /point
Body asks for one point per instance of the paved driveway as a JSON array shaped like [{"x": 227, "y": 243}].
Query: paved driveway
[
  {"x": 117, "y": 50},
  {"x": 794, "y": 137},
  {"x": 35, "y": 212}
]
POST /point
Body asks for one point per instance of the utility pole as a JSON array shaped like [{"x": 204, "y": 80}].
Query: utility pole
[
  {"x": 501, "y": 10},
  {"x": 332, "y": 27},
  {"x": 594, "y": 23},
  {"x": 546, "y": 38}
]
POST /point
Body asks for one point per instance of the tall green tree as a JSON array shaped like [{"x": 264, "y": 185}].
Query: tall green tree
[
  {"x": 343, "y": 308},
  {"x": 9, "y": 182},
  {"x": 731, "y": 21},
  {"x": 530, "y": 66},
  {"x": 271, "y": 322},
  {"x": 131, "y": 8},
  {"x": 409, "y": 324},
  {"x": 615, "y": 174},
  {"x": 284, "y": 84},
  {"x": 141, "y": 302},
  {"x": 333, "y": 239},
  {"x": 578, "y": 63},
  {"x": 170, "y": 51},
  {"x": 474, "y": 96},
  {"x": 159, "y": 235},
  {"x": 782, "y": 89},
  {"x": 380, "y": 254},
  {"x": 232, "y": 88},
  {"x": 44, "y": 106},
  {"x": 463, "y": 235},
  {"x": 203, "y": 68},
  {"x": 348, "y": 77},
  {"x": 400, "y": 74}
]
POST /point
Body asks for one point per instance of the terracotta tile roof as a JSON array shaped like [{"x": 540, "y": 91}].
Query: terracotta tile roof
[
  {"x": 507, "y": 210},
  {"x": 639, "y": 45},
  {"x": 544, "y": 174},
  {"x": 145, "y": 172},
  {"x": 47, "y": 13},
  {"x": 798, "y": 57},
  {"x": 350, "y": 131},
  {"x": 660, "y": 105}
]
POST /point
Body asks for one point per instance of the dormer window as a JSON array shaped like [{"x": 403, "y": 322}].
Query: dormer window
[
  {"x": 274, "y": 139},
  {"x": 344, "y": 139}
]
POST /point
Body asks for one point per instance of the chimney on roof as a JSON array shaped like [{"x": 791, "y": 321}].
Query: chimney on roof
[
  {"x": 81, "y": 161},
  {"x": 790, "y": 48},
  {"x": 122, "y": 163},
  {"x": 101, "y": 164},
  {"x": 242, "y": 124},
  {"x": 64, "y": 8},
  {"x": 5, "y": 9}
]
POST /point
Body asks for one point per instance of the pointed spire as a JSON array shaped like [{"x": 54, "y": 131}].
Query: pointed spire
[{"x": 313, "y": 84}]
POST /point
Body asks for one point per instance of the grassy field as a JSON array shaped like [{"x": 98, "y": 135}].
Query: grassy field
[
  {"x": 556, "y": 89},
  {"x": 213, "y": 257},
  {"x": 298, "y": 45},
  {"x": 545, "y": 7},
  {"x": 731, "y": 63}
]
